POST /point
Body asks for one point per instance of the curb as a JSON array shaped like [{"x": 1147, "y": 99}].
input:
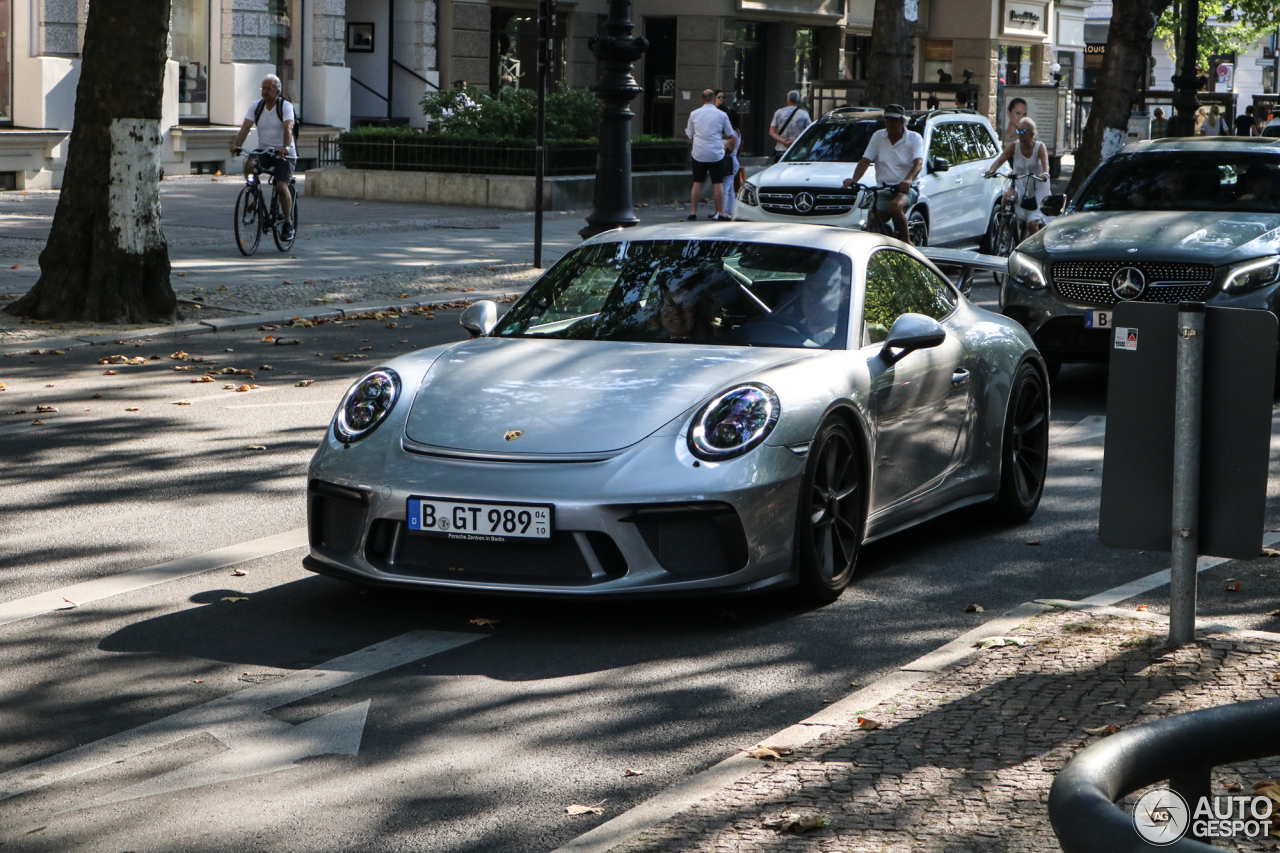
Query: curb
[
  {"x": 684, "y": 794},
  {"x": 249, "y": 321}
]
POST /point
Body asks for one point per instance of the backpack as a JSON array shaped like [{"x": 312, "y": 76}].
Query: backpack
[{"x": 262, "y": 104}]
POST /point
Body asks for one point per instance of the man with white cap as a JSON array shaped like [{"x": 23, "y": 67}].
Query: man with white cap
[{"x": 898, "y": 155}]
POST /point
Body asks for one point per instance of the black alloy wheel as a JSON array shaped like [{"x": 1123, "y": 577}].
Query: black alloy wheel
[
  {"x": 1024, "y": 454},
  {"x": 248, "y": 214},
  {"x": 831, "y": 514},
  {"x": 918, "y": 229}
]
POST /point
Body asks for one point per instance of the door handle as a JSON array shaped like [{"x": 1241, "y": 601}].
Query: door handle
[
  {"x": 959, "y": 378},
  {"x": 959, "y": 180}
]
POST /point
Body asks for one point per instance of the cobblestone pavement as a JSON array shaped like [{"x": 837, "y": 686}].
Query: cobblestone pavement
[{"x": 963, "y": 761}]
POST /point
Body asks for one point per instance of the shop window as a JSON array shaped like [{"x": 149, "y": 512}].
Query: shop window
[
  {"x": 1013, "y": 66},
  {"x": 286, "y": 49},
  {"x": 190, "y": 36},
  {"x": 513, "y": 50}
]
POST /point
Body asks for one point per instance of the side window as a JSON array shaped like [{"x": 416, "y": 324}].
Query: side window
[
  {"x": 965, "y": 144},
  {"x": 898, "y": 284},
  {"x": 982, "y": 138},
  {"x": 941, "y": 144}
]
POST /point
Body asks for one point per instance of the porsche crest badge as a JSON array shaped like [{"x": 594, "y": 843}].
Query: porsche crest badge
[{"x": 513, "y": 434}]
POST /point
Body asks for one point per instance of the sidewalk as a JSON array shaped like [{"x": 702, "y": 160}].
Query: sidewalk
[{"x": 964, "y": 757}]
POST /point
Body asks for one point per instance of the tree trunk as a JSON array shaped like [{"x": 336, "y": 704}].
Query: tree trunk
[
  {"x": 1133, "y": 23},
  {"x": 106, "y": 259},
  {"x": 893, "y": 53}
]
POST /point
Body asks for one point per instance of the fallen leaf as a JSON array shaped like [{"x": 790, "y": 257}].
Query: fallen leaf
[
  {"x": 38, "y": 423},
  {"x": 235, "y": 371},
  {"x": 631, "y": 772},
  {"x": 184, "y": 367},
  {"x": 203, "y": 379},
  {"x": 235, "y": 598},
  {"x": 762, "y": 753},
  {"x": 97, "y": 396},
  {"x": 222, "y": 287},
  {"x": 72, "y": 604},
  {"x": 1270, "y": 552},
  {"x": 1035, "y": 542},
  {"x": 110, "y": 373},
  {"x": 793, "y": 822},
  {"x": 49, "y": 386},
  {"x": 59, "y": 351},
  {"x": 266, "y": 367},
  {"x": 255, "y": 447},
  {"x": 246, "y": 388},
  {"x": 868, "y": 724},
  {"x": 111, "y": 359},
  {"x": 484, "y": 623},
  {"x": 42, "y": 410},
  {"x": 138, "y": 360},
  {"x": 182, "y": 402},
  {"x": 577, "y": 809},
  {"x": 267, "y": 328},
  {"x": 239, "y": 573},
  {"x": 228, "y": 387},
  {"x": 975, "y": 608},
  {"x": 365, "y": 349},
  {"x": 303, "y": 383},
  {"x": 781, "y": 749},
  {"x": 133, "y": 409},
  {"x": 996, "y": 642},
  {"x": 1142, "y": 608},
  {"x": 1103, "y": 730},
  {"x": 1232, "y": 585},
  {"x": 391, "y": 325},
  {"x": 228, "y": 349}
]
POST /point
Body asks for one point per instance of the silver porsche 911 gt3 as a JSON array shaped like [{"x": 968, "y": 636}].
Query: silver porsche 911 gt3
[{"x": 675, "y": 410}]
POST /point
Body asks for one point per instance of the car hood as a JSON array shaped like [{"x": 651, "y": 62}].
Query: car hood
[
  {"x": 569, "y": 396},
  {"x": 817, "y": 174},
  {"x": 1190, "y": 236}
]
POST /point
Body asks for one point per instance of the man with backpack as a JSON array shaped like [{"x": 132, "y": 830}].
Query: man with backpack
[
  {"x": 275, "y": 118},
  {"x": 787, "y": 125}
]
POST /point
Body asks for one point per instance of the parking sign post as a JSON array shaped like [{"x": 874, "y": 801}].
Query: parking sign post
[{"x": 1186, "y": 473}]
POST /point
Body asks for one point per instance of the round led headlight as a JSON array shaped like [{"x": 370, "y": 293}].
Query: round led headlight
[
  {"x": 366, "y": 405},
  {"x": 732, "y": 423}
]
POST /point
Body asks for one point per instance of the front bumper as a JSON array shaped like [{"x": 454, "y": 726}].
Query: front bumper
[{"x": 641, "y": 522}]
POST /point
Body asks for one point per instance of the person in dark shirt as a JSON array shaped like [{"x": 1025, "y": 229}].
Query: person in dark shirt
[{"x": 1245, "y": 125}]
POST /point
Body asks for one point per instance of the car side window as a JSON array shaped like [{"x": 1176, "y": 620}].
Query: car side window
[
  {"x": 898, "y": 284},
  {"x": 983, "y": 141},
  {"x": 942, "y": 144},
  {"x": 964, "y": 144}
]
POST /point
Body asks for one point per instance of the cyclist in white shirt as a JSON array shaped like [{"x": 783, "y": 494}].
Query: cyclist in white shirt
[
  {"x": 274, "y": 117},
  {"x": 898, "y": 155}
]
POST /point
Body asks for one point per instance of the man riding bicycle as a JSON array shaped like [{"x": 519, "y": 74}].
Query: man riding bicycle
[
  {"x": 274, "y": 117},
  {"x": 898, "y": 155}
]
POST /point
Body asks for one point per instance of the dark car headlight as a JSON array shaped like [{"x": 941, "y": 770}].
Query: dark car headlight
[
  {"x": 366, "y": 405},
  {"x": 749, "y": 195},
  {"x": 1250, "y": 275},
  {"x": 732, "y": 423},
  {"x": 1026, "y": 271}
]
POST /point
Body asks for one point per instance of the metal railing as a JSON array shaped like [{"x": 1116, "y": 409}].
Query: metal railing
[
  {"x": 431, "y": 155},
  {"x": 1183, "y": 749}
]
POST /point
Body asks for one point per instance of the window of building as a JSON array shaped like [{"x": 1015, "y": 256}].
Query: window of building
[
  {"x": 6, "y": 62},
  {"x": 1013, "y": 66},
  {"x": 857, "y": 53},
  {"x": 806, "y": 61},
  {"x": 190, "y": 34},
  {"x": 286, "y": 49},
  {"x": 749, "y": 85},
  {"x": 938, "y": 55}
]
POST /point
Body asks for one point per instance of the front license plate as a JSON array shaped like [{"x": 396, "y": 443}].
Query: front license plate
[
  {"x": 481, "y": 522},
  {"x": 1097, "y": 320}
]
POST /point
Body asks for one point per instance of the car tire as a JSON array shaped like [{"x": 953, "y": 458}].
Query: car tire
[
  {"x": 830, "y": 514},
  {"x": 1024, "y": 450},
  {"x": 918, "y": 229}
]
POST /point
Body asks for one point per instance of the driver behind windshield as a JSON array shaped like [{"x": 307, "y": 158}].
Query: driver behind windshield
[{"x": 1258, "y": 185}]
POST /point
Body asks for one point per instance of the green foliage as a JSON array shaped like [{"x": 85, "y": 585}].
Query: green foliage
[
  {"x": 571, "y": 113},
  {"x": 1241, "y": 24}
]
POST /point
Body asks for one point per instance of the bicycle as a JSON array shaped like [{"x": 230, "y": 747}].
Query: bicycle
[
  {"x": 878, "y": 222},
  {"x": 1007, "y": 231},
  {"x": 254, "y": 217}
]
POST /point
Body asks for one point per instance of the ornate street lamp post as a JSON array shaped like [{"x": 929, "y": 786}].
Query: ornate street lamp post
[{"x": 616, "y": 52}]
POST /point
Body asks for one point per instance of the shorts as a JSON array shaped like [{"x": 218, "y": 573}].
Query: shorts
[
  {"x": 281, "y": 168},
  {"x": 718, "y": 170},
  {"x": 883, "y": 199}
]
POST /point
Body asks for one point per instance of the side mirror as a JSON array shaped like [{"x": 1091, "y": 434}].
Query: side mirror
[
  {"x": 480, "y": 318},
  {"x": 939, "y": 164},
  {"x": 1054, "y": 205},
  {"x": 911, "y": 332}
]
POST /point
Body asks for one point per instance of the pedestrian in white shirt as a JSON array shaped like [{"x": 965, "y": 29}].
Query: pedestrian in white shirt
[
  {"x": 709, "y": 127},
  {"x": 898, "y": 155},
  {"x": 732, "y": 146}
]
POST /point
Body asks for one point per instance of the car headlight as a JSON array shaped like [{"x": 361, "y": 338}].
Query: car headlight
[
  {"x": 732, "y": 423},
  {"x": 1251, "y": 275},
  {"x": 366, "y": 405},
  {"x": 1026, "y": 271},
  {"x": 749, "y": 194}
]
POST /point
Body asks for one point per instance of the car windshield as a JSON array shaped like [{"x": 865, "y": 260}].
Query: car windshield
[
  {"x": 1211, "y": 180},
  {"x": 833, "y": 142},
  {"x": 690, "y": 291}
]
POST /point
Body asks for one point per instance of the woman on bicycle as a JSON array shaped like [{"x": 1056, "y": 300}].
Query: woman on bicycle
[{"x": 1027, "y": 157}]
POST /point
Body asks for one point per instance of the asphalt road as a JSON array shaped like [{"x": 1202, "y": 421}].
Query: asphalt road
[{"x": 475, "y": 736}]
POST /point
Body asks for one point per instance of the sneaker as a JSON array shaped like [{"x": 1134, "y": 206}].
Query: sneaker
[
  {"x": 693, "y": 217},
  {"x": 286, "y": 232}
]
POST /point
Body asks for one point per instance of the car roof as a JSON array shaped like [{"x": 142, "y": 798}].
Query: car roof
[
  {"x": 782, "y": 233},
  {"x": 1205, "y": 143},
  {"x": 913, "y": 116}
]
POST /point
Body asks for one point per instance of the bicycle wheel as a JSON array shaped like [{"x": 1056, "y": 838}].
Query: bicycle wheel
[
  {"x": 1006, "y": 239},
  {"x": 278, "y": 223},
  {"x": 918, "y": 229},
  {"x": 248, "y": 214}
]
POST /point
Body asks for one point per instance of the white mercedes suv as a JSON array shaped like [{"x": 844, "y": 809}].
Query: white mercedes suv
[{"x": 956, "y": 205}]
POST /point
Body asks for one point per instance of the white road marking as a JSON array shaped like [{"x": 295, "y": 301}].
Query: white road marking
[
  {"x": 83, "y": 593},
  {"x": 256, "y": 743},
  {"x": 1160, "y": 578}
]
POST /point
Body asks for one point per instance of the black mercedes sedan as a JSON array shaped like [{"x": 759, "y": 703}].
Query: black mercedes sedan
[{"x": 1172, "y": 220}]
